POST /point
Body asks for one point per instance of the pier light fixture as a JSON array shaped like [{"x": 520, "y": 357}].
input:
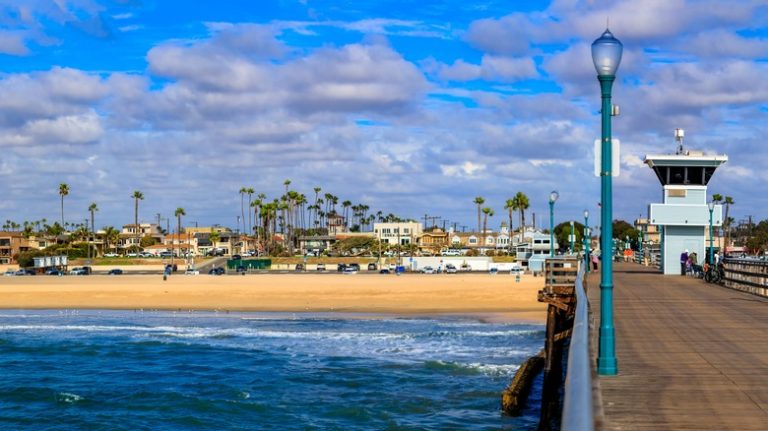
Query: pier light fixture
[
  {"x": 711, "y": 206},
  {"x": 553, "y": 195},
  {"x": 606, "y": 55},
  {"x": 587, "y": 240}
]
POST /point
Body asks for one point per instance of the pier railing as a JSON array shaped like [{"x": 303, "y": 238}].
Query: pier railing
[
  {"x": 747, "y": 275},
  {"x": 578, "y": 411}
]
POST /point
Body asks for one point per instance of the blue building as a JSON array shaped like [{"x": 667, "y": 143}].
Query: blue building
[{"x": 684, "y": 216}]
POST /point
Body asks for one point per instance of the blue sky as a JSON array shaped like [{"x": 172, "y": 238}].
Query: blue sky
[{"x": 407, "y": 107}]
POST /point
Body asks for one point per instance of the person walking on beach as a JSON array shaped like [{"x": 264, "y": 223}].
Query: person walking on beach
[{"x": 683, "y": 262}]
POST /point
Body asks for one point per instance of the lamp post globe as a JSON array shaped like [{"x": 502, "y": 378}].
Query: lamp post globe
[
  {"x": 606, "y": 55},
  {"x": 553, "y": 195}
]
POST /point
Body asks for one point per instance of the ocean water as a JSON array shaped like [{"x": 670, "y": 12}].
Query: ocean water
[{"x": 123, "y": 370}]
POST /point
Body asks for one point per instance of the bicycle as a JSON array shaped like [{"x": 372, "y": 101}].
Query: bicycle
[{"x": 714, "y": 273}]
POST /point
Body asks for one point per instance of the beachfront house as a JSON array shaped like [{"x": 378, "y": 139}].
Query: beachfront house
[
  {"x": 131, "y": 234},
  {"x": 13, "y": 243},
  {"x": 402, "y": 233},
  {"x": 534, "y": 243}
]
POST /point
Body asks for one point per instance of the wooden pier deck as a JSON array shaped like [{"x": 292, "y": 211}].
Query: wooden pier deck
[{"x": 691, "y": 355}]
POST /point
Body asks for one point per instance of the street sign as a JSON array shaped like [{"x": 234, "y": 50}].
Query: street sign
[{"x": 615, "y": 144}]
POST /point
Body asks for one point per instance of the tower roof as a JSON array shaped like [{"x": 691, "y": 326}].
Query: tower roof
[{"x": 693, "y": 168}]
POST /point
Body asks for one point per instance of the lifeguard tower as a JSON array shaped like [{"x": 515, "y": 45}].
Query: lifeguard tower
[{"x": 684, "y": 216}]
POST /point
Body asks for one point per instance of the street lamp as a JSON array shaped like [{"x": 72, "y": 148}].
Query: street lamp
[
  {"x": 552, "y": 199},
  {"x": 572, "y": 238},
  {"x": 606, "y": 55},
  {"x": 711, "y": 206},
  {"x": 587, "y": 239}
]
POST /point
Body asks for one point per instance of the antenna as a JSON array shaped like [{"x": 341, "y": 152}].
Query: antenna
[
  {"x": 607, "y": 22},
  {"x": 679, "y": 135}
]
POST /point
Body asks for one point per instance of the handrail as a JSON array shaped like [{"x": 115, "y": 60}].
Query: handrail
[{"x": 578, "y": 412}]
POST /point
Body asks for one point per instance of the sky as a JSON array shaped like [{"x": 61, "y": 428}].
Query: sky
[{"x": 408, "y": 107}]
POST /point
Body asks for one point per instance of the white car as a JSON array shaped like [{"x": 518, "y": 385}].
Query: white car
[
  {"x": 110, "y": 254},
  {"x": 450, "y": 269},
  {"x": 131, "y": 255},
  {"x": 427, "y": 270},
  {"x": 10, "y": 273}
]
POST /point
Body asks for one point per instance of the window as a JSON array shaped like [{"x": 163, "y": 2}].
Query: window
[{"x": 473, "y": 240}]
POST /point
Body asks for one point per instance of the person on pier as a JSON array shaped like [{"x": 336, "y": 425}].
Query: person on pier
[{"x": 683, "y": 262}]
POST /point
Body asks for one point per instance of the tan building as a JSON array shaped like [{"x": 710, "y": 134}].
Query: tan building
[
  {"x": 433, "y": 241},
  {"x": 12, "y": 243},
  {"x": 131, "y": 236}
]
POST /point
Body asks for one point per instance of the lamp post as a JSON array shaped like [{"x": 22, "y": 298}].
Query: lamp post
[
  {"x": 572, "y": 238},
  {"x": 606, "y": 55},
  {"x": 552, "y": 199},
  {"x": 640, "y": 246},
  {"x": 711, "y": 206},
  {"x": 587, "y": 240}
]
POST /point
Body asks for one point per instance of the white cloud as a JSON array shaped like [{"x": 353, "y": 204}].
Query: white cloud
[
  {"x": 491, "y": 68},
  {"x": 466, "y": 169}
]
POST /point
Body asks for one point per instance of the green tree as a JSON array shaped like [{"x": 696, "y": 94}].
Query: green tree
[
  {"x": 479, "y": 201},
  {"x": 509, "y": 205},
  {"x": 178, "y": 213},
  {"x": 111, "y": 236},
  {"x": 521, "y": 203},
  {"x": 137, "y": 196},
  {"x": 243, "y": 192},
  {"x": 214, "y": 237},
  {"x": 727, "y": 220},
  {"x": 92, "y": 208},
  {"x": 250, "y": 192},
  {"x": 63, "y": 191},
  {"x": 563, "y": 232},
  {"x": 488, "y": 213}
]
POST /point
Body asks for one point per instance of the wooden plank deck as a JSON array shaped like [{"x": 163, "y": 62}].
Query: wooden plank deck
[{"x": 691, "y": 355}]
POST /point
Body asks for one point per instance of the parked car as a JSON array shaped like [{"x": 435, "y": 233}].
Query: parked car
[
  {"x": 493, "y": 271},
  {"x": 217, "y": 271},
  {"x": 372, "y": 266},
  {"x": 516, "y": 271},
  {"x": 53, "y": 271},
  {"x": 191, "y": 271},
  {"x": 427, "y": 270},
  {"x": 450, "y": 269},
  {"x": 166, "y": 254},
  {"x": 384, "y": 271},
  {"x": 10, "y": 273},
  {"x": 110, "y": 254},
  {"x": 341, "y": 267},
  {"x": 236, "y": 257},
  {"x": 321, "y": 267},
  {"x": 451, "y": 252},
  {"x": 354, "y": 266},
  {"x": 465, "y": 267},
  {"x": 79, "y": 271},
  {"x": 351, "y": 269},
  {"x": 115, "y": 271},
  {"x": 20, "y": 272},
  {"x": 299, "y": 267}
]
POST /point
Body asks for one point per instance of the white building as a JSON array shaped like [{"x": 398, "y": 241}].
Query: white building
[{"x": 402, "y": 233}]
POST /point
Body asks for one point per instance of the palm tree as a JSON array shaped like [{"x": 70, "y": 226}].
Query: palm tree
[
  {"x": 479, "y": 201},
  {"x": 178, "y": 213},
  {"x": 111, "y": 236},
  {"x": 509, "y": 205},
  {"x": 488, "y": 212},
  {"x": 521, "y": 204},
  {"x": 92, "y": 208},
  {"x": 243, "y": 191},
  {"x": 728, "y": 202},
  {"x": 346, "y": 204},
  {"x": 63, "y": 191},
  {"x": 214, "y": 237},
  {"x": 250, "y": 221},
  {"x": 137, "y": 196}
]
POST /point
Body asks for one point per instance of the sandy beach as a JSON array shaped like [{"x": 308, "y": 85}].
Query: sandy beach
[{"x": 496, "y": 297}]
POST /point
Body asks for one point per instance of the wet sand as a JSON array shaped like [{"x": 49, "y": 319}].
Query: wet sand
[{"x": 495, "y": 297}]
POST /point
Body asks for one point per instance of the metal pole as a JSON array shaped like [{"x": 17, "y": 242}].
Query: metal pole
[
  {"x": 573, "y": 238},
  {"x": 711, "y": 250},
  {"x": 587, "y": 240},
  {"x": 551, "y": 228},
  {"x": 606, "y": 359}
]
